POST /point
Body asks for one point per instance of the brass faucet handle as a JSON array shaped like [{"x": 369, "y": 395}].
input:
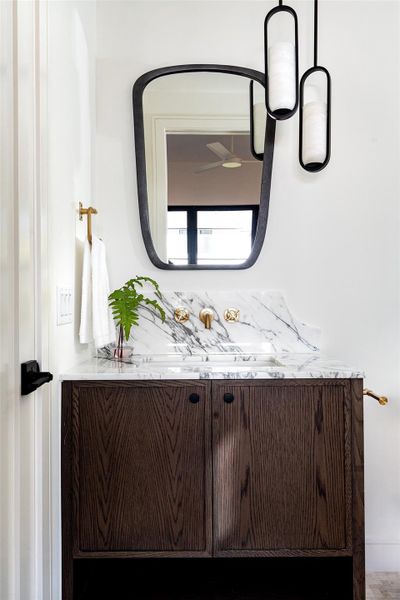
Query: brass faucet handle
[
  {"x": 381, "y": 399},
  {"x": 232, "y": 315},
  {"x": 206, "y": 316},
  {"x": 181, "y": 314}
]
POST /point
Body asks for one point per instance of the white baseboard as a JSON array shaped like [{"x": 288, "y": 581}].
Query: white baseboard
[{"x": 382, "y": 556}]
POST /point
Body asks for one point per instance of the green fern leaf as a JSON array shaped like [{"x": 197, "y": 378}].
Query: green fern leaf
[{"x": 125, "y": 302}]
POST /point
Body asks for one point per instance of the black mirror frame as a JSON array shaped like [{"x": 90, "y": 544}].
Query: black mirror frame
[{"x": 137, "y": 99}]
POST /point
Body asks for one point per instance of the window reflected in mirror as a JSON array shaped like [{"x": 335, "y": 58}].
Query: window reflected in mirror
[{"x": 200, "y": 235}]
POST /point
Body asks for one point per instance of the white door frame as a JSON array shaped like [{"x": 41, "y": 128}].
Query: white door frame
[
  {"x": 25, "y": 541},
  {"x": 8, "y": 310}
]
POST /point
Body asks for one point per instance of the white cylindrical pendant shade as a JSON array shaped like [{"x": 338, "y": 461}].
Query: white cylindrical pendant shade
[
  {"x": 282, "y": 76},
  {"x": 312, "y": 93},
  {"x": 314, "y": 132},
  {"x": 259, "y": 124}
]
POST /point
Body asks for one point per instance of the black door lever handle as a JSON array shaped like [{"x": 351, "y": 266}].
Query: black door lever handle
[{"x": 32, "y": 377}]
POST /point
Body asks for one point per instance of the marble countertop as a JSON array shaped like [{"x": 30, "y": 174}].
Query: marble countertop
[{"x": 271, "y": 366}]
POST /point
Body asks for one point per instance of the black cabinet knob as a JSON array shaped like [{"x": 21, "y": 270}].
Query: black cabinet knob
[
  {"x": 194, "y": 398},
  {"x": 228, "y": 397}
]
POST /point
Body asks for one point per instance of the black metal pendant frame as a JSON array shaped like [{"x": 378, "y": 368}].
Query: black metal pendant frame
[
  {"x": 316, "y": 166},
  {"x": 281, "y": 115},
  {"x": 256, "y": 155}
]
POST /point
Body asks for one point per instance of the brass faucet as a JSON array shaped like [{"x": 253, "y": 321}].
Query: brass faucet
[{"x": 206, "y": 316}]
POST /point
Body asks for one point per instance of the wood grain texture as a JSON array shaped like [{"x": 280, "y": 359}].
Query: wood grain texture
[
  {"x": 279, "y": 468},
  {"x": 357, "y": 401},
  {"x": 288, "y": 482},
  {"x": 143, "y": 463},
  {"x": 66, "y": 492}
]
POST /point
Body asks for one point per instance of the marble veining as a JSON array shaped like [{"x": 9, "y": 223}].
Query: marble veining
[
  {"x": 267, "y": 342},
  {"x": 284, "y": 366},
  {"x": 266, "y": 325}
]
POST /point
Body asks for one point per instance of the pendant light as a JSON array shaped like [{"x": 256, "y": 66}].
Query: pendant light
[
  {"x": 281, "y": 68},
  {"x": 315, "y": 114},
  {"x": 258, "y": 119}
]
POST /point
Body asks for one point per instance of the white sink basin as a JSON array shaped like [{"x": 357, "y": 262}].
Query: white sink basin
[{"x": 211, "y": 362}]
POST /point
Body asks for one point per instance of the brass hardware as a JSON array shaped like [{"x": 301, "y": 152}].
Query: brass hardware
[
  {"x": 381, "y": 399},
  {"x": 181, "y": 314},
  {"x": 89, "y": 212},
  {"x": 231, "y": 315},
  {"x": 206, "y": 316}
]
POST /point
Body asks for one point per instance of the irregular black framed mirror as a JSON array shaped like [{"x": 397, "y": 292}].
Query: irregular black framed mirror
[{"x": 204, "y": 152}]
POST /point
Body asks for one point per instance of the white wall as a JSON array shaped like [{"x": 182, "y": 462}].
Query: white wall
[
  {"x": 71, "y": 126},
  {"x": 332, "y": 240}
]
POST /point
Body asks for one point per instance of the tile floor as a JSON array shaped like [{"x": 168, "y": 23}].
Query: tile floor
[{"x": 383, "y": 586}]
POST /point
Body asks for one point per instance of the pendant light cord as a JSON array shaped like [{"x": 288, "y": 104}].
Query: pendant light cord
[{"x": 315, "y": 33}]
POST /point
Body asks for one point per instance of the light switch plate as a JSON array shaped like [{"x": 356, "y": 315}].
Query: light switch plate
[{"x": 64, "y": 305}]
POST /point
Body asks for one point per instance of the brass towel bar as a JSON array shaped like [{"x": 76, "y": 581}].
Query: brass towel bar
[
  {"x": 89, "y": 212},
  {"x": 381, "y": 399}
]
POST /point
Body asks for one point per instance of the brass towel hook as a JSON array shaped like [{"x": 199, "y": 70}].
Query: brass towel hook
[
  {"x": 89, "y": 212},
  {"x": 381, "y": 399}
]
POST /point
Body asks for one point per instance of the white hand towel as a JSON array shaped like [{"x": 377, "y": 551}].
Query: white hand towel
[
  {"x": 96, "y": 319},
  {"x": 85, "y": 330},
  {"x": 103, "y": 327}
]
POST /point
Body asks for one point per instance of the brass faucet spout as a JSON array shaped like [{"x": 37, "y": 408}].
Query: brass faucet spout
[{"x": 206, "y": 316}]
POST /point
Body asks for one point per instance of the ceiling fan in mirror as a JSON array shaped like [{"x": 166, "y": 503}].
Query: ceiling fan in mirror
[{"x": 228, "y": 158}]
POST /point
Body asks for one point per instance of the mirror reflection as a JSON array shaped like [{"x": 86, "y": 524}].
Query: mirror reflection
[{"x": 203, "y": 175}]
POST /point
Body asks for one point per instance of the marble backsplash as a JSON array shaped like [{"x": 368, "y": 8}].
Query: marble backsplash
[{"x": 266, "y": 325}]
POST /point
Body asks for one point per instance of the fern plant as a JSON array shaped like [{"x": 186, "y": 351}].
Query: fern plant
[{"x": 125, "y": 303}]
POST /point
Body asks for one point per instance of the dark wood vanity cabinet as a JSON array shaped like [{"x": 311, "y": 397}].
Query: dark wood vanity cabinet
[
  {"x": 141, "y": 468},
  {"x": 282, "y": 468},
  {"x": 184, "y": 469}
]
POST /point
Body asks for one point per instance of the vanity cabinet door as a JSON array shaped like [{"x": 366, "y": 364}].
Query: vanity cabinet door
[
  {"x": 141, "y": 459},
  {"x": 282, "y": 478}
]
